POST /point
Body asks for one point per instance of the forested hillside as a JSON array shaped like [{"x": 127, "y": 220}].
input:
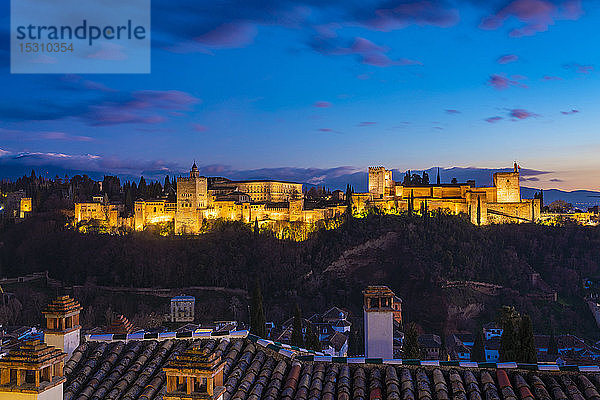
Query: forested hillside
[{"x": 414, "y": 256}]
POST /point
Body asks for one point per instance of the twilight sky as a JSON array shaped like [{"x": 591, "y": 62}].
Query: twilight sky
[{"x": 249, "y": 84}]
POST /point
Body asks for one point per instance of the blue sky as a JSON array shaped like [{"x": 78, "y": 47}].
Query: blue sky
[{"x": 242, "y": 85}]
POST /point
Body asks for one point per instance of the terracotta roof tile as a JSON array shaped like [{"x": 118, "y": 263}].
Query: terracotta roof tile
[{"x": 133, "y": 370}]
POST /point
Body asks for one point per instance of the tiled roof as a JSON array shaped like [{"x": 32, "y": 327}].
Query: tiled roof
[
  {"x": 62, "y": 305},
  {"x": 253, "y": 371},
  {"x": 31, "y": 355},
  {"x": 120, "y": 325}
]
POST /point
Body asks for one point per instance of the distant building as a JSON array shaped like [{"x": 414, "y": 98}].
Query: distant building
[
  {"x": 492, "y": 349},
  {"x": 201, "y": 199},
  {"x": 332, "y": 329},
  {"x": 457, "y": 349},
  {"x": 491, "y": 330},
  {"x": 378, "y": 310},
  {"x": 499, "y": 203},
  {"x": 182, "y": 308},
  {"x": 15, "y": 205},
  {"x": 430, "y": 346}
]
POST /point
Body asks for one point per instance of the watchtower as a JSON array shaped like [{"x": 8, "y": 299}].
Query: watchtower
[
  {"x": 379, "y": 312},
  {"x": 62, "y": 324}
]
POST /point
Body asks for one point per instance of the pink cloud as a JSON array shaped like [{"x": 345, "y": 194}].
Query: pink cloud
[
  {"x": 501, "y": 82},
  {"x": 110, "y": 52},
  {"x": 78, "y": 81},
  {"x": 579, "y": 68},
  {"x": 419, "y": 12},
  {"x": 325, "y": 130},
  {"x": 229, "y": 35},
  {"x": 407, "y": 61},
  {"x": 534, "y": 15},
  {"x": 14, "y": 134},
  {"x": 552, "y": 78},
  {"x": 145, "y": 107},
  {"x": 367, "y": 123},
  {"x": 493, "y": 120},
  {"x": 452, "y": 111},
  {"x": 519, "y": 114},
  {"x": 366, "y": 51},
  {"x": 573, "y": 111},
  {"x": 508, "y": 58},
  {"x": 322, "y": 104},
  {"x": 64, "y": 136},
  {"x": 199, "y": 127}
]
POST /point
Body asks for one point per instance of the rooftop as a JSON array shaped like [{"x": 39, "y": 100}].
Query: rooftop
[
  {"x": 259, "y": 369},
  {"x": 62, "y": 305}
]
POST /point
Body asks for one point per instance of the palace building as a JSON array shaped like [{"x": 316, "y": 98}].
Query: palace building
[
  {"x": 202, "y": 198},
  {"x": 499, "y": 203}
]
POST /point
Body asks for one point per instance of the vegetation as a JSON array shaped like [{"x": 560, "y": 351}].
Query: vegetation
[
  {"x": 478, "y": 350},
  {"x": 516, "y": 343},
  {"x": 297, "y": 335},
  {"x": 410, "y": 346},
  {"x": 415, "y": 257},
  {"x": 257, "y": 313}
]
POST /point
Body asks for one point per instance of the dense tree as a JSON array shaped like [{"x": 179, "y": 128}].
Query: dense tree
[
  {"x": 552, "y": 344},
  {"x": 297, "y": 334},
  {"x": 510, "y": 346},
  {"x": 411, "y": 342},
  {"x": 478, "y": 350},
  {"x": 257, "y": 313},
  {"x": 312, "y": 340},
  {"x": 528, "y": 352}
]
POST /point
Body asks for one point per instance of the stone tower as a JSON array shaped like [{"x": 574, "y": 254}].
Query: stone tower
[
  {"x": 379, "y": 311},
  {"x": 192, "y": 195},
  {"x": 62, "y": 324},
  {"x": 32, "y": 371},
  {"x": 508, "y": 188},
  {"x": 195, "y": 374},
  {"x": 380, "y": 182}
]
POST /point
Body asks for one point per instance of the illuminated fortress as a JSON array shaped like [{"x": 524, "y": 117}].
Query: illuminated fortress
[
  {"x": 500, "y": 203},
  {"x": 201, "y": 199}
]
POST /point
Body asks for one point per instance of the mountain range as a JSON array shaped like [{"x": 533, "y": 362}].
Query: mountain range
[{"x": 332, "y": 178}]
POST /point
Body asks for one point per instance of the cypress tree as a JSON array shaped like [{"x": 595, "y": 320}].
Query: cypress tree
[
  {"x": 527, "y": 342},
  {"x": 411, "y": 342},
  {"x": 478, "y": 211},
  {"x": 510, "y": 347},
  {"x": 256, "y": 228},
  {"x": 297, "y": 337},
  {"x": 443, "y": 348},
  {"x": 438, "y": 176},
  {"x": 312, "y": 341},
  {"x": 552, "y": 344},
  {"x": 257, "y": 313},
  {"x": 478, "y": 350}
]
